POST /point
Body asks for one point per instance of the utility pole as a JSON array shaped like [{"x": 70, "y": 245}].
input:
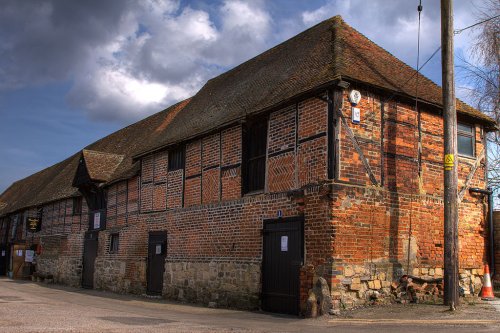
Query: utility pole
[{"x": 450, "y": 160}]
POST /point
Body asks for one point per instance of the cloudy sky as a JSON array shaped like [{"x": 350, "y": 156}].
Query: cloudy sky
[{"x": 72, "y": 72}]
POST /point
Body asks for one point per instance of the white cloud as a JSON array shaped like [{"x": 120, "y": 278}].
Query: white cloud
[
  {"x": 131, "y": 58},
  {"x": 126, "y": 60}
]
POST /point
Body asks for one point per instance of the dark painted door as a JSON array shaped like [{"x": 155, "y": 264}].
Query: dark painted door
[
  {"x": 89, "y": 255},
  {"x": 4, "y": 255},
  {"x": 157, "y": 251},
  {"x": 282, "y": 258}
]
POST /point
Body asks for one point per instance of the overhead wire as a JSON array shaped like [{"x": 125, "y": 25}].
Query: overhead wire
[{"x": 456, "y": 32}]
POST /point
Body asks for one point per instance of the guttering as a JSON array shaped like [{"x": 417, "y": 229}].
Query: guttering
[{"x": 489, "y": 193}]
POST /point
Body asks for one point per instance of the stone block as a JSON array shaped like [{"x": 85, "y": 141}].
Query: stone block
[
  {"x": 356, "y": 280},
  {"x": 424, "y": 271},
  {"x": 348, "y": 271},
  {"x": 355, "y": 286},
  {"x": 438, "y": 271},
  {"x": 346, "y": 281},
  {"x": 377, "y": 284},
  {"x": 359, "y": 269},
  {"x": 371, "y": 284}
]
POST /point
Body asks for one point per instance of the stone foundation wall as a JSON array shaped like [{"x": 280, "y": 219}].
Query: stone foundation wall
[
  {"x": 66, "y": 270},
  {"x": 109, "y": 275},
  {"x": 221, "y": 283},
  {"x": 362, "y": 284}
]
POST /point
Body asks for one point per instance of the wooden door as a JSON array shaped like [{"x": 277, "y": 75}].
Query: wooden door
[
  {"x": 281, "y": 262},
  {"x": 4, "y": 261},
  {"x": 17, "y": 257},
  {"x": 157, "y": 252},
  {"x": 89, "y": 254}
]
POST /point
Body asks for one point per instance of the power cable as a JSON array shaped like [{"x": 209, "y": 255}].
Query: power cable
[{"x": 456, "y": 32}]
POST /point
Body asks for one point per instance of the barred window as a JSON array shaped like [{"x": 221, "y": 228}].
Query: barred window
[
  {"x": 176, "y": 158},
  {"x": 114, "y": 240},
  {"x": 255, "y": 155},
  {"x": 77, "y": 205}
]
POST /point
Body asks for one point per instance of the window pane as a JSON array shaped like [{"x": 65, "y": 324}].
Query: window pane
[
  {"x": 464, "y": 128},
  {"x": 465, "y": 145}
]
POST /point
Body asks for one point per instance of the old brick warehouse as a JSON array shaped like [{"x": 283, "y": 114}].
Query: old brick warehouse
[{"x": 264, "y": 181}]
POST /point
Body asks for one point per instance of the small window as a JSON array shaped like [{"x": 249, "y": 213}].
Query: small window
[
  {"x": 465, "y": 139},
  {"x": 256, "y": 146},
  {"x": 176, "y": 159},
  {"x": 113, "y": 243},
  {"x": 77, "y": 205}
]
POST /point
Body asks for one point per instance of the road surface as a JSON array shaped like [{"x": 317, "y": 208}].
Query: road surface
[{"x": 35, "y": 307}]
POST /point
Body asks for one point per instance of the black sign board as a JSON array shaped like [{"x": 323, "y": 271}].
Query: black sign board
[{"x": 33, "y": 224}]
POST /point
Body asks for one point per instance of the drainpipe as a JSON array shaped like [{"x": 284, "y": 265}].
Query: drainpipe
[{"x": 489, "y": 193}]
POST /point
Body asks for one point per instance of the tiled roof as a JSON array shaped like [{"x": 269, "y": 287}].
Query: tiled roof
[
  {"x": 108, "y": 159},
  {"x": 315, "y": 58},
  {"x": 329, "y": 51},
  {"x": 101, "y": 165}
]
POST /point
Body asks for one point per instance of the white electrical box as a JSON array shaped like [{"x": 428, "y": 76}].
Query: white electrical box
[{"x": 356, "y": 115}]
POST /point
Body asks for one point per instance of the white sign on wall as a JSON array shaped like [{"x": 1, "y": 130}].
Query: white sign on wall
[
  {"x": 284, "y": 243},
  {"x": 356, "y": 115},
  {"x": 97, "y": 220},
  {"x": 29, "y": 256},
  {"x": 158, "y": 248}
]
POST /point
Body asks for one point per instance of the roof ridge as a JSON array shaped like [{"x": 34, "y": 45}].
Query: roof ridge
[
  {"x": 167, "y": 110},
  {"x": 337, "y": 19},
  {"x": 100, "y": 152},
  {"x": 414, "y": 71},
  {"x": 337, "y": 54}
]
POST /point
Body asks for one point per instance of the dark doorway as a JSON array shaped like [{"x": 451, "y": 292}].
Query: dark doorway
[
  {"x": 281, "y": 261},
  {"x": 89, "y": 255},
  {"x": 4, "y": 255},
  {"x": 157, "y": 251}
]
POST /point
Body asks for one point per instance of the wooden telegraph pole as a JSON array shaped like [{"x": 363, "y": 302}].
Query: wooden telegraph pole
[{"x": 450, "y": 160}]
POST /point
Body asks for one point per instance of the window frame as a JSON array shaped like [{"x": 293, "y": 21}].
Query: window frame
[
  {"x": 249, "y": 160},
  {"x": 114, "y": 242},
  {"x": 471, "y": 135},
  {"x": 179, "y": 150},
  {"x": 77, "y": 206}
]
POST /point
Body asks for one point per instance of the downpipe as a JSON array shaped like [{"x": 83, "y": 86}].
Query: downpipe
[{"x": 489, "y": 193}]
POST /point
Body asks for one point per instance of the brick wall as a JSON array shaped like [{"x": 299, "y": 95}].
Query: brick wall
[
  {"x": 353, "y": 229},
  {"x": 398, "y": 227}
]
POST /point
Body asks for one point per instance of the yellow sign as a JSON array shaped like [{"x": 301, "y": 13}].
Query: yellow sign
[{"x": 449, "y": 161}]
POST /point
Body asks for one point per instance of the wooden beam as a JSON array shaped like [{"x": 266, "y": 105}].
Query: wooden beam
[
  {"x": 358, "y": 148},
  {"x": 469, "y": 177}
]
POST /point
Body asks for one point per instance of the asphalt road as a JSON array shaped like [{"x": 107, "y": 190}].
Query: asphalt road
[{"x": 32, "y": 307}]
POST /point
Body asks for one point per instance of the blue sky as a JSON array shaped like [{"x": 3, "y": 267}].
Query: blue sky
[{"x": 72, "y": 72}]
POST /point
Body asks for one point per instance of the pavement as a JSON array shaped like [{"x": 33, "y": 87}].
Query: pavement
[{"x": 36, "y": 307}]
